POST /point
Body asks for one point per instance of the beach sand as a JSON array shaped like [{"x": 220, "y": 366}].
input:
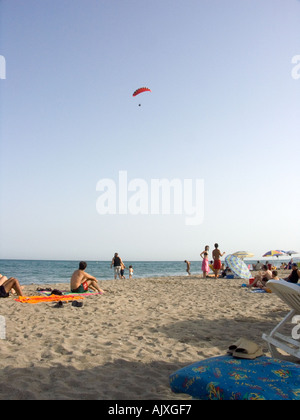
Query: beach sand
[{"x": 124, "y": 344}]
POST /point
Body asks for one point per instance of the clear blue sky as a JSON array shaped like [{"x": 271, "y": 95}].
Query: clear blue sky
[{"x": 224, "y": 108}]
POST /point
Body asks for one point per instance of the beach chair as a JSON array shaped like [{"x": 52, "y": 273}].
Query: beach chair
[{"x": 286, "y": 335}]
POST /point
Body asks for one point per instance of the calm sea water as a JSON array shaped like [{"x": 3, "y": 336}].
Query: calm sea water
[
  {"x": 44, "y": 272},
  {"x": 49, "y": 272}
]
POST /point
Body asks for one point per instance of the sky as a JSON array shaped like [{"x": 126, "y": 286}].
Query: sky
[{"x": 79, "y": 155}]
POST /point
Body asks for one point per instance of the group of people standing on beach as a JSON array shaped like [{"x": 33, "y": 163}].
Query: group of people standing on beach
[
  {"x": 265, "y": 273},
  {"x": 119, "y": 267},
  {"x": 216, "y": 263}
]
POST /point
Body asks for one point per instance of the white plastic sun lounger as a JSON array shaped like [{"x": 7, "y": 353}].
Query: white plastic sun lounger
[{"x": 289, "y": 341}]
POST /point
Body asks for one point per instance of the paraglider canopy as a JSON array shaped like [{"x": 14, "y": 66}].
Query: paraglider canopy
[{"x": 141, "y": 90}]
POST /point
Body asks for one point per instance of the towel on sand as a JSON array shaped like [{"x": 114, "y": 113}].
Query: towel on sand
[{"x": 52, "y": 298}]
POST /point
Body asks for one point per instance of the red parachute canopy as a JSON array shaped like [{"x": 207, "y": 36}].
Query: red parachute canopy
[{"x": 141, "y": 90}]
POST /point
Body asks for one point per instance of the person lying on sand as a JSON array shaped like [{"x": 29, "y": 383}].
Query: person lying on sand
[
  {"x": 3, "y": 279},
  {"x": 8, "y": 285},
  {"x": 262, "y": 278},
  {"x": 82, "y": 281},
  {"x": 265, "y": 285}
]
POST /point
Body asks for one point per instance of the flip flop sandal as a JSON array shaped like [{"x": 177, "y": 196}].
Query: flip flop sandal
[
  {"x": 248, "y": 350},
  {"x": 77, "y": 304},
  {"x": 233, "y": 347}
]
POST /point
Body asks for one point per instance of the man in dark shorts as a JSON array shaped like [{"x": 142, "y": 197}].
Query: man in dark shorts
[
  {"x": 82, "y": 281},
  {"x": 8, "y": 285}
]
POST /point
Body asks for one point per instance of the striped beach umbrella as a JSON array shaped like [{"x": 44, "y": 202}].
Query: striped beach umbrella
[
  {"x": 290, "y": 253},
  {"x": 274, "y": 253},
  {"x": 238, "y": 267},
  {"x": 243, "y": 254}
]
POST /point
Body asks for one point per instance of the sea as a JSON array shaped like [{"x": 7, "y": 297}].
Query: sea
[{"x": 50, "y": 272}]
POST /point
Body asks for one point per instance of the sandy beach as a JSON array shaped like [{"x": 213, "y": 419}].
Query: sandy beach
[{"x": 125, "y": 344}]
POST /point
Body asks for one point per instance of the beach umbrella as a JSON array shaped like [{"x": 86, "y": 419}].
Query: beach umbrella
[
  {"x": 274, "y": 253},
  {"x": 243, "y": 254},
  {"x": 238, "y": 267},
  {"x": 290, "y": 253},
  {"x": 283, "y": 253}
]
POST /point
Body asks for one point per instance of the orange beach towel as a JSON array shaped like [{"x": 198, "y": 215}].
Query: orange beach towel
[{"x": 52, "y": 298}]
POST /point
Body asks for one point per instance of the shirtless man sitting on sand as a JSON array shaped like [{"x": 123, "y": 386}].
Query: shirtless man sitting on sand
[{"x": 82, "y": 281}]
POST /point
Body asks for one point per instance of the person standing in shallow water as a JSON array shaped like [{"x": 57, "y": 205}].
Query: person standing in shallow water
[
  {"x": 117, "y": 264},
  {"x": 188, "y": 267}
]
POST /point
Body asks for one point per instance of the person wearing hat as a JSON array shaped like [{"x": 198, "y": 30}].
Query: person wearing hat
[{"x": 295, "y": 275}]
